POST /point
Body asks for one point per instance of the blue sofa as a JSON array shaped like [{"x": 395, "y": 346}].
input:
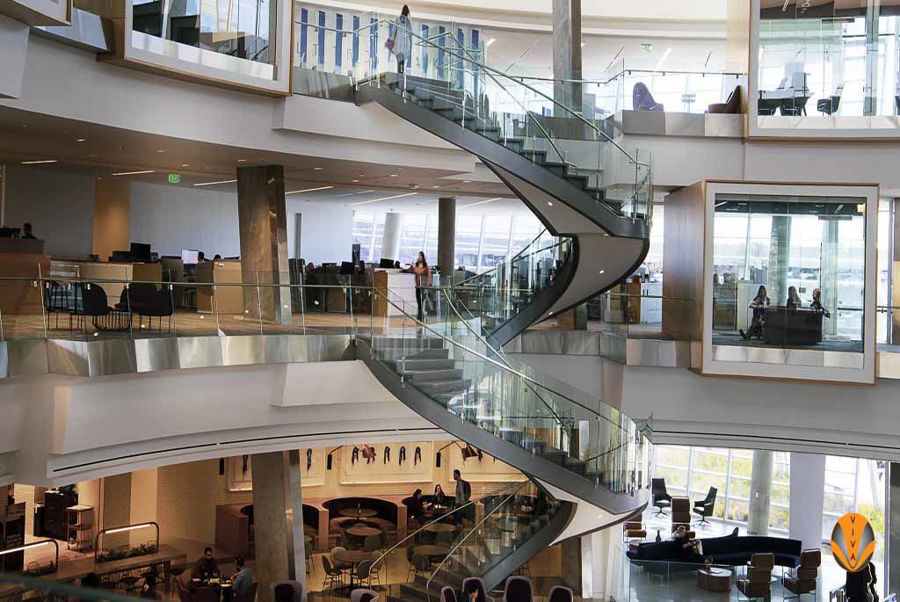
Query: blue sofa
[{"x": 733, "y": 550}]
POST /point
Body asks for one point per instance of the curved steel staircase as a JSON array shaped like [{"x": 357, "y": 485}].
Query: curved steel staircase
[{"x": 452, "y": 370}]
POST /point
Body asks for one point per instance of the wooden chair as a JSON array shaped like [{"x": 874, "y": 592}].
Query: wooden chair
[{"x": 758, "y": 581}]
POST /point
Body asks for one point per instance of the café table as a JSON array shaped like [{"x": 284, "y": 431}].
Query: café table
[
  {"x": 353, "y": 558},
  {"x": 363, "y": 531},
  {"x": 440, "y": 528},
  {"x": 431, "y": 550}
]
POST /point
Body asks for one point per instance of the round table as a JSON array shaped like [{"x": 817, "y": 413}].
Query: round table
[
  {"x": 431, "y": 550},
  {"x": 363, "y": 531},
  {"x": 440, "y": 528},
  {"x": 714, "y": 579},
  {"x": 358, "y": 512},
  {"x": 353, "y": 558}
]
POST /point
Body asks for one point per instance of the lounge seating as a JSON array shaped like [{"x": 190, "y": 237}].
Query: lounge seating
[
  {"x": 704, "y": 508},
  {"x": 642, "y": 100},
  {"x": 479, "y": 583},
  {"x": 363, "y": 595},
  {"x": 803, "y": 579},
  {"x": 661, "y": 498},
  {"x": 681, "y": 512},
  {"x": 634, "y": 530},
  {"x": 287, "y": 591},
  {"x": 758, "y": 582},
  {"x": 732, "y": 550},
  {"x": 731, "y": 106},
  {"x": 518, "y": 589},
  {"x": 830, "y": 105},
  {"x": 560, "y": 593}
]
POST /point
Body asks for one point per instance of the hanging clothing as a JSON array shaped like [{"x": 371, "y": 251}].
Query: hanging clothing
[
  {"x": 402, "y": 454},
  {"x": 308, "y": 459},
  {"x": 387, "y": 454},
  {"x": 417, "y": 456},
  {"x": 354, "y": 457}
]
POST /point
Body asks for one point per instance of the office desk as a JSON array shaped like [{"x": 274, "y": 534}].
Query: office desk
[
  {"x": 399, "y": 287},
  {"x": 21, "y": 296},
  {"x": 792, "y": 326},
  {"x": 220, "y": 299}
]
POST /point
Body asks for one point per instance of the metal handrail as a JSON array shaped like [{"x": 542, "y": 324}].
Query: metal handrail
[
  {"x": 603, "y": 82},
  {"x": 442, "y": 517},
  {"x": 463, "y": 540}
]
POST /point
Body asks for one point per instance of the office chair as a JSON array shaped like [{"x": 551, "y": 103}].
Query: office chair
[
  {"x": 704, "y": 508},
  {"x": 830, "y": 105},
  {"x": 661, "y": 498}
]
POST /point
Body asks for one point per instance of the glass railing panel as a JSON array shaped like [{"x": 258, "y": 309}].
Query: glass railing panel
[
  {"x": 562, "y": 424},
  {"x": 436, "y": 525}
]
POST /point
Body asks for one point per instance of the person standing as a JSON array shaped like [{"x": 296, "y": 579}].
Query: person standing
[
  {"x": 400, "y": 42},
  {"x": 463, "y": 494},
  {"x": 423, "y": 282},
  {"x": 26, "y": 231}
]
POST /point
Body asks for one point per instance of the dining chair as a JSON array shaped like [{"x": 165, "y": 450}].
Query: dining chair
[
  {"x": 478, "y": 583},
  {"x": 363, "y": 595},
  {"x": 287, "y": 590},
  {"x": 560, "y": 593},
  {"x": 206, "y": 594},
  {"x": 333, "y": 575},
  {"x": 448, "y": 594},
  {"x": 518, "y": 589}
]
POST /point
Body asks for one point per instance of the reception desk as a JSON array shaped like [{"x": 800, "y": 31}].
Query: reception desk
[
  {"x": 220, "y": 299},
  {"x": 118, "y": 273},
  {"x": 792, "y": 326},
  {"x": 27, "y": 246},
  {"x": 399, "y": 287}
]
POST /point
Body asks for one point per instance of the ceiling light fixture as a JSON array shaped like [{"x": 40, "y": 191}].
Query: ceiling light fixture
[
  {"x": 354, "y": 180},
  {"x": 662, "y": 59},
  {"x": 387, "y": 198},
  {"x": 133, "y": 173},
  {"x": 39, "y": 162},
  {"x": 185, "y": 164},
  {"x": 549, "y": 204},
  {"x": 489, "y": 42},
  {"x": 242, "y": 160},
  {"x": 309, "y": 190},
  {"x": 160, "y": 150},
  {"x": 393, "y": 175},
  {"x": 215, "y": 183},
  {"x": 483, "y": 202},
  {"x": 317, "y": 168},
  {"x": 81, "y": 140}
]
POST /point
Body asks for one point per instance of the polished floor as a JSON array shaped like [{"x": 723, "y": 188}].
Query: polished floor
[{"x": 734, "y": 339}]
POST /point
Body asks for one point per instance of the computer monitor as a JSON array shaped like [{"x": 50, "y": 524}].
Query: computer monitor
[
  {"x": 190, "y": 256},
  {"x": 346, "y": 267},
  {"x": 386, "y": 263},
  {"x": 140, "y": 251}
]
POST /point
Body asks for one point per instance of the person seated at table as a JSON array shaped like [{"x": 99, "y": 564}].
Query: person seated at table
[
  {"x": 472, "y": 592},
  {"x": 415, "y": 507},
  {"x": 793, "y": 301},
  {"x": 816, "y": 302},
  {"x": 439, "y": 497},
  {"x": 759, "y": 304},
  {"x": 242, "y": 580},
  {"x": 205, "y": 568}
]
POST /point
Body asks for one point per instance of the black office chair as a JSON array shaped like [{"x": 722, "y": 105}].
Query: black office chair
[
  {"x": 661, "y": 498},
  {"x": 830, "y": 105},
  {"x": 704, "y": 508}
]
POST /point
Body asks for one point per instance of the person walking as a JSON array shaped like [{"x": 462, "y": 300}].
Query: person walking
[
  {"x": 400, "y": 43},
  {"x": 423, "y": 283}
]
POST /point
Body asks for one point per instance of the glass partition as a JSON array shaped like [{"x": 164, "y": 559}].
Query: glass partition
[
  {"x": 827, "y": 65},
  {"x": 243, "y": 29},
  {"x": 789, "y": 272}
]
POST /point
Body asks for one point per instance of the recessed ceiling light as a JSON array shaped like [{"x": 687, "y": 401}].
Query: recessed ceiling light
[
  {"x": 393, "y": 175},
  {"x": 387, "y": 198},
  {"x": 133, "y": 173},
  {"x": 317, "y": 168},
  {"x": 602, "y": 271},
  {"x": 309, "y": 190},
  {"x": 81, "y": 140},
  {"x": 161, "y": 150},
  {"x": 467, "y": 181},
  {"x": 39, "y": 161},
  {"x": 435, "y": 186},
  {"x": 354, "y": 180},
  {"x": 549, "y": 204},
  {"x": 185, "y": 165},
  {"x": 214, "y": 183},
  {"x": 489, "y": 42},
  {"x": 242, "y": 160}
]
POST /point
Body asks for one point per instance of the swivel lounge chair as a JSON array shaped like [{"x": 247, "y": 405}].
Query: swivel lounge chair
[
  {"x": 704, "y": 508},
  {"x": 830, "y": 105},
  {"x": 642, "y": 100},
  {"x": 730, "y": 106},
  {"x": 661, "y": 498}
]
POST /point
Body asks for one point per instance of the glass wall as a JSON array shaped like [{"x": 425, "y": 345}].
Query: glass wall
[
  {"x": 691, "y": 471},
  {"x": 789, "y": 272},
  {"x": 482, "y": 241},
  {"x": 829, "y": 59},
  {"x": 243, "y": 29}
]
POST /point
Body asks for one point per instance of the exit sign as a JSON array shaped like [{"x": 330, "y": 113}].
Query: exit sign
[{"x": 174, "y": 178}]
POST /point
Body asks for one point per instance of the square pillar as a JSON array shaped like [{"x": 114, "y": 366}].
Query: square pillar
[
  {"x": 278, "y": 520},
  {"x": 262, "y": 218},
  {"x": 567, "y": 55},
  {"x": 807, "y": 498},
  {"x": 446, "y": 259}
]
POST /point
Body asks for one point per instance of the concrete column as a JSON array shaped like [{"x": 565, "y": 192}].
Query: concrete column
[
  {"x": 779, "y": 249},
  {"x": 263, "y": 228},
  {"x": 446, "y": 258},
  {"x": 895, "y": 276},
  {"x": 277, "y": 502},
  {"x": 390, "y": 241},
  {"x": 567, "y": 54},
  {"x": 112, "y": 216},
  {"x": 828, "y": 281},
  {"x": 760, "y": 492},
  {"x": 116, "y": 510},
  {"x": 807, "y": 498}
]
